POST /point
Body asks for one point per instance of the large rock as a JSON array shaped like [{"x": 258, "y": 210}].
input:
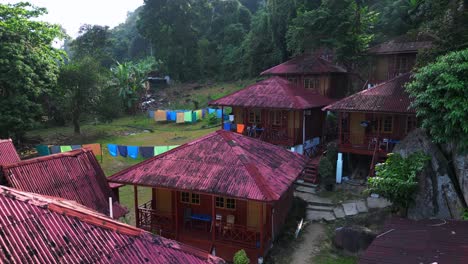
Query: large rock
[
  {"x": 437, "y": 196},
  {"x": 460, "y": 164},
  {"x": 354, "y": 239}
]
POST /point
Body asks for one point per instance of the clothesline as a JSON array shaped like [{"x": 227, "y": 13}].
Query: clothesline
[
  {"x": 135, "y": 151},
  {"x": 183, "y": 116},
  {"x": 44, "y": 150}
]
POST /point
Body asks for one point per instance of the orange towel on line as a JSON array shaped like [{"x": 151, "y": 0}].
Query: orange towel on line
[
  {"x": 240, "y": 128},
  {"x": 160, "y": 115},
  {"x": 180, "y": 118},
  {"x": 95, "y": 148}
]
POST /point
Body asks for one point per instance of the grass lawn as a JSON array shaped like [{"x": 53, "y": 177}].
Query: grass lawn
[{"x": 134, "y": 130}]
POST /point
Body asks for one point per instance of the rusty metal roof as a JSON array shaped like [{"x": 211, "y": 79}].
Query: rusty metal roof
[
  {"x": 275, "y": 92},
  {"x": 387, "y": 97},
  {"x": 74, "y": 175},
  {"x": 39, "y": 229},
  {"x": 402, "y": 44},
  {"x": 8, "y": 152},
  {"x": 425, "y": 241},
  {"x": 304, "y": 64},
  {"x": 221, "y": 163}
]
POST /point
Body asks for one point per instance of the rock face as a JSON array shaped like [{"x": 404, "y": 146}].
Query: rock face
[
  {"x": 460, "y": 163},
  {"x": 437, "y": 195},
  {"x": 353, "y": 240}
]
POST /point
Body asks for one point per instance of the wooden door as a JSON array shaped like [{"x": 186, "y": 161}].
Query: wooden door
[
  {"x": 253, "y": 214},
  {"x": 357, "y": 131},
  {"x": 163, "y": 200}
]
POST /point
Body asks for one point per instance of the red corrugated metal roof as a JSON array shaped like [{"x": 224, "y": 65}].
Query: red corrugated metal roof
[
  {"x": 39, "y": 229},
  {"x": 426, "y": 241},
  {"x": 275, "y": 92},
  {"x": 8, "y": 152},
  {"x": 223, "y": 163},
  {"x": 304, "y": 64},
  {"x": 388, "y": 97},
  {"x": 74, "y": 175},
  {"x": 402, "y": 44}
]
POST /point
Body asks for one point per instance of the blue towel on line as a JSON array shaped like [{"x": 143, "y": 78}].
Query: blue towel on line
[
  {"x": 55, "y": 150},
  {"x": 132, "y": 152},
  {"x": 147, "y": 152},
  {"x": 151, "y": 113},
  {"x": 122, "y": 151},
  {"x": 75, "y": 147},
  {"x": 219, "y": 113},
  {"x": 112, "y": 149}
]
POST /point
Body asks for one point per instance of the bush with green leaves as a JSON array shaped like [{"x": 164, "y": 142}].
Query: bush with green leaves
[
  {"x": 241, "y": 257},
  {"x": 212, "y": 119},
  {"x": 440, "y": 98},
  {"x": 396, "y": 179}
]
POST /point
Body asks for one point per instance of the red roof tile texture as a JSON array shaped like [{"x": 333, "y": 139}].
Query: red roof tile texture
[
  {"x": 387, "y": 97},
  {"x": 221, "y": 163},
  {"x": 8, "y": 152},
  {"x": 304, "y": 64},
  {"x": 39, "y": 229},
  {"x": 275, "y": 92},
  {"x": 74, "y": 175},
  {"x": 425, "y": 241},
  {"x": 402, "y": 44}
]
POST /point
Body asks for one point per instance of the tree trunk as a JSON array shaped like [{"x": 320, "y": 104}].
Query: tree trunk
[{"x": 76, "y": 123}]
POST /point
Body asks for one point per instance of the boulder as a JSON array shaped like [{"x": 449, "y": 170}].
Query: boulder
[
  {"x": 353, "y": 240},
  {"x": 437, "y": 195},
  {"x": 460, "y": 164}
]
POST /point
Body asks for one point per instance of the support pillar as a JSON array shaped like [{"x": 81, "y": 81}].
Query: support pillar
[
  {"x": 213, "y": 220},
  {"x": 262, "y": 233},
  {"x": 137, "y": 215},
  {"x": 176, "y": 201}
]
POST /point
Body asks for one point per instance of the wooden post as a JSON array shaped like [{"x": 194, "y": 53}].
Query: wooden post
[
  {"x": 340, "y": 129},
  {"x": 261, "y": 229},
  {"x": 303, "y": 127},
  {"x": 176, "y": 214},
  {"x": 222, "y": 117},
  {"x": 213, "y": 220},
  {"x": 137, "y": 215},
  {"x": 294, "y": 127}
]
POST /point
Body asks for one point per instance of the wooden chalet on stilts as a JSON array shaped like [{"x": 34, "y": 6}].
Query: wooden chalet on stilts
[
  {"x": 372, "y": 121},
  {"x": 222, "y": 193}
]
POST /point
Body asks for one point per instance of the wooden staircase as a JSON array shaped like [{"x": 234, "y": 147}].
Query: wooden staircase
[{"x": 310, "y": 172}]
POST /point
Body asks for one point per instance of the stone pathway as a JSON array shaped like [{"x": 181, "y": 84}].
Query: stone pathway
[{"x": 321, "y": 208}]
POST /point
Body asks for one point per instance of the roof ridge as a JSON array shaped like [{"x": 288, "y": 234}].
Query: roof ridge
[
  {"x": 236, "y": 92},
  {"x": 72, "y": 153},
  {"x": 249, "y": 166},
  {"x": 65, "y": 207},
  {"x": 5, "y": 140}
]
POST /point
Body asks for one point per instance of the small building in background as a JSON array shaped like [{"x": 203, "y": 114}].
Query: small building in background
[
  {"x": 74, "y": 175},
  {"x": 43, "y": 229},
  {"x": 425, "y": 241},
  {"x": 397, "y": 56},
  {"x": 222, "y": 193}
]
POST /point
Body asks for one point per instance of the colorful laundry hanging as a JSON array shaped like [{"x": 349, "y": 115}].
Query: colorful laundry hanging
[
  {"x": 132, "y": 152},
  {"x": 147, "y": 152},
  {"x": 199, "y": 114},
  {"x": 95, "y": 148},
  {"x": 172, "y": 147},
  {"x": 75, "y": 147},
  {"x": 112, "y": 149},
  {"x": 160, "y": 150},
  {"x": 65, "y": 148},
  {"x": 122, "y": 151},
  {"x": 43, "y": 150},
  {"x": 160, "y": 115},
  {"x": 211, "y": 111},
  {"x": 188, "y": 117},
  {"x": 173, "y": 116},
  {"x": 151, "y": 113},
  {"x": 219, "y": 113},
  {"x": 180, "y": 118}
]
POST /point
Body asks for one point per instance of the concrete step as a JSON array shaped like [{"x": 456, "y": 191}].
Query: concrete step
[
  {"x": 306, "y": 184},
  {"x": 320, "y": 215},
  {"x": 306, "y": 189},
  {"x": 314, "y": 199},
  {"x": 339, "y": 212},
  {"x": 320, "y": 208}
]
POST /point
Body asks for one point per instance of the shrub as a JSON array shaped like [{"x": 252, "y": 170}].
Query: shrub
[
  {"x": 241, "y": 257},
  {"x": 212, "y": 119},
  {"x": 326, "y": 170},
  {"x": 396, "y": 179}
]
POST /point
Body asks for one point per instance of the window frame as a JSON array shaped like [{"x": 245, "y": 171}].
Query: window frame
[
  {"x": 191, "y": 199},
  {"x": 225, "y": 200},
  {"x": 277, "y": 117},
  {"x": 182, "y": 195},
  {"x": 313, "y": 83},
  {"x": 411, "y": 120},
  {"x": 255, "y": 116},
  {"x": 219, "y": 202}
]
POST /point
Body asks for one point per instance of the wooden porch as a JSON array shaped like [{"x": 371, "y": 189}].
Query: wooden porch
[
  {"x": 204, "y": 222},
  {"x": 280, "y": 127}
]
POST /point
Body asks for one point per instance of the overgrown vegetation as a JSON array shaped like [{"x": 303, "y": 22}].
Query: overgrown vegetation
[
  {"x": 396, "y": 179},
  {"x": 440, "y": 98}
]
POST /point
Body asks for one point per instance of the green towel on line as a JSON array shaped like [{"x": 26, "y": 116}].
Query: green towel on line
[
  {"x": 172, "y": 147},
  {"x": 188, "y": 117},
  {"x": 65, "y": 148},
  {"x": 43, "y": 150},
  {"x": 160, "y": 149}
]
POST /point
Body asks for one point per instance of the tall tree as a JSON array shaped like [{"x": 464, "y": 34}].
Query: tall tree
[
  {"x": 343, "y": 25},
  {"x": 280, "y": 13},
  {"x": 79, "y": 86},
  {"x": 94, "y": 41},
  {"x": 29, "y": 66}
]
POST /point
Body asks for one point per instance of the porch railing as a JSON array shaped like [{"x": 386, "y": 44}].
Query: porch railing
[
  {"x": 156, "y": 221},
  {"x": 368, "y": 142},
  {"x": 239, "y": 234}
]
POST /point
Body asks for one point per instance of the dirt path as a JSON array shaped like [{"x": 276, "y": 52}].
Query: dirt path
[{"x": 312, "y": 238}]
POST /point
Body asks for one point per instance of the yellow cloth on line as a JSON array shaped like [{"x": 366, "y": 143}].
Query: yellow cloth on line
[
  {"x": 160, "y": 115},
  {"x": 199, "y": 114},
  {"x": 180, "y": 118},
  {"x": 95, "y": 148}
]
